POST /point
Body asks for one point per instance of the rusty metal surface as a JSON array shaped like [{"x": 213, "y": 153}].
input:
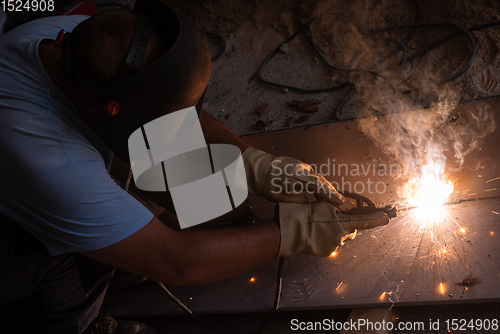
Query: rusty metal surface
[
  {"x": 334, "y": 146},
  {"x": 455, "y": 260}
]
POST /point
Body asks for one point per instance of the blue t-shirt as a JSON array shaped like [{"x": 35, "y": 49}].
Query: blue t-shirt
[{"x": 54, "y": 177}]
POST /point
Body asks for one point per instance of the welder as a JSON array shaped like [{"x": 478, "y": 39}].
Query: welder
[{"x": 73, "y": 89}]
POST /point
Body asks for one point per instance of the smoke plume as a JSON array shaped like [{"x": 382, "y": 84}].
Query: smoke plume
[
  {"x": 407, "y": 113},
  {"x": 429, "y": 135}
]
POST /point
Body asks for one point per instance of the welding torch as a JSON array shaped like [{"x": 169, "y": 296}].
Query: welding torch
[{"x": 366, "y": 205}]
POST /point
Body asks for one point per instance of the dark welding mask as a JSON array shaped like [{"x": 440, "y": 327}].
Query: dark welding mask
[{"x": 175, "y": 81}]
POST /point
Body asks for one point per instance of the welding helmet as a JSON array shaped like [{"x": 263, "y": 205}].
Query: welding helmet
[{"x": 176, "y": 80}]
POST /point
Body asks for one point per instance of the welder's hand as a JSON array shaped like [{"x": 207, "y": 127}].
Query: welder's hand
[
  {"x": 285, "y": 179},
  {"x": 318, "y": 228}
]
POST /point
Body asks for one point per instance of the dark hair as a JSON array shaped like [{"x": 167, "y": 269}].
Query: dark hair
[{"x": 103, "y": 42}]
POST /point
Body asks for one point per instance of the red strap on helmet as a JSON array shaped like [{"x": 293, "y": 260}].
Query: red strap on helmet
[
  {"x": 111, "y": 108},
  {"x": 59, "y": 38}
]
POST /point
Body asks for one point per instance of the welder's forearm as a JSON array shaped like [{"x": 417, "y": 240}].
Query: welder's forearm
[
  {"x": 217, "y": 133},
  {"x": 217, "y": 254},
  {"x": 191, "y": 257}
]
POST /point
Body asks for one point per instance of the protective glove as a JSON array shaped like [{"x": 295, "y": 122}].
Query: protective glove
[
  {"x": 279, "y": 178},
  {"x": 318, "y": 228}
]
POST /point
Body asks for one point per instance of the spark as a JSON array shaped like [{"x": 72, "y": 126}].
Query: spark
[
  {"x": 495, "y": 212},
  {"x": 496, "y": 178},
  {"x": 428, "y": 193},
  {"x": 441, "y": 288},
  {"x": 492, "y": 189},
  {"x": 339, "y": 285},
  {"x": 472, "y": 194},
  {"x": 333, "y": 254},
  {"x": 492, "y": 233},
  {"x": 252, "y": 279},
  {"x": 463, "y": 230},
  {"x": 382, "y": 296}
]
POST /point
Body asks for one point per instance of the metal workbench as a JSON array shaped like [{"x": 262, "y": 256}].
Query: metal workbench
[{"x": 453, "y": 261}]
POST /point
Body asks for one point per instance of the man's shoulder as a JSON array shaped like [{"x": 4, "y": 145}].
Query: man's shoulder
[
  {"x": 43, "y": 27},
  {"x": 19, "y": 59},
  {"x": 21, "y": 39},
  {"x": 37, "y": 141}
]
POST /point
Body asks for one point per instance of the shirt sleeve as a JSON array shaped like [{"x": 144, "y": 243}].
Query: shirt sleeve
[{"x": 76, "y": 208}]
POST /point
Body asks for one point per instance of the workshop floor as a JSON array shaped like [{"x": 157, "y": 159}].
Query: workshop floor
[{"x": 253, "y": 29}]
